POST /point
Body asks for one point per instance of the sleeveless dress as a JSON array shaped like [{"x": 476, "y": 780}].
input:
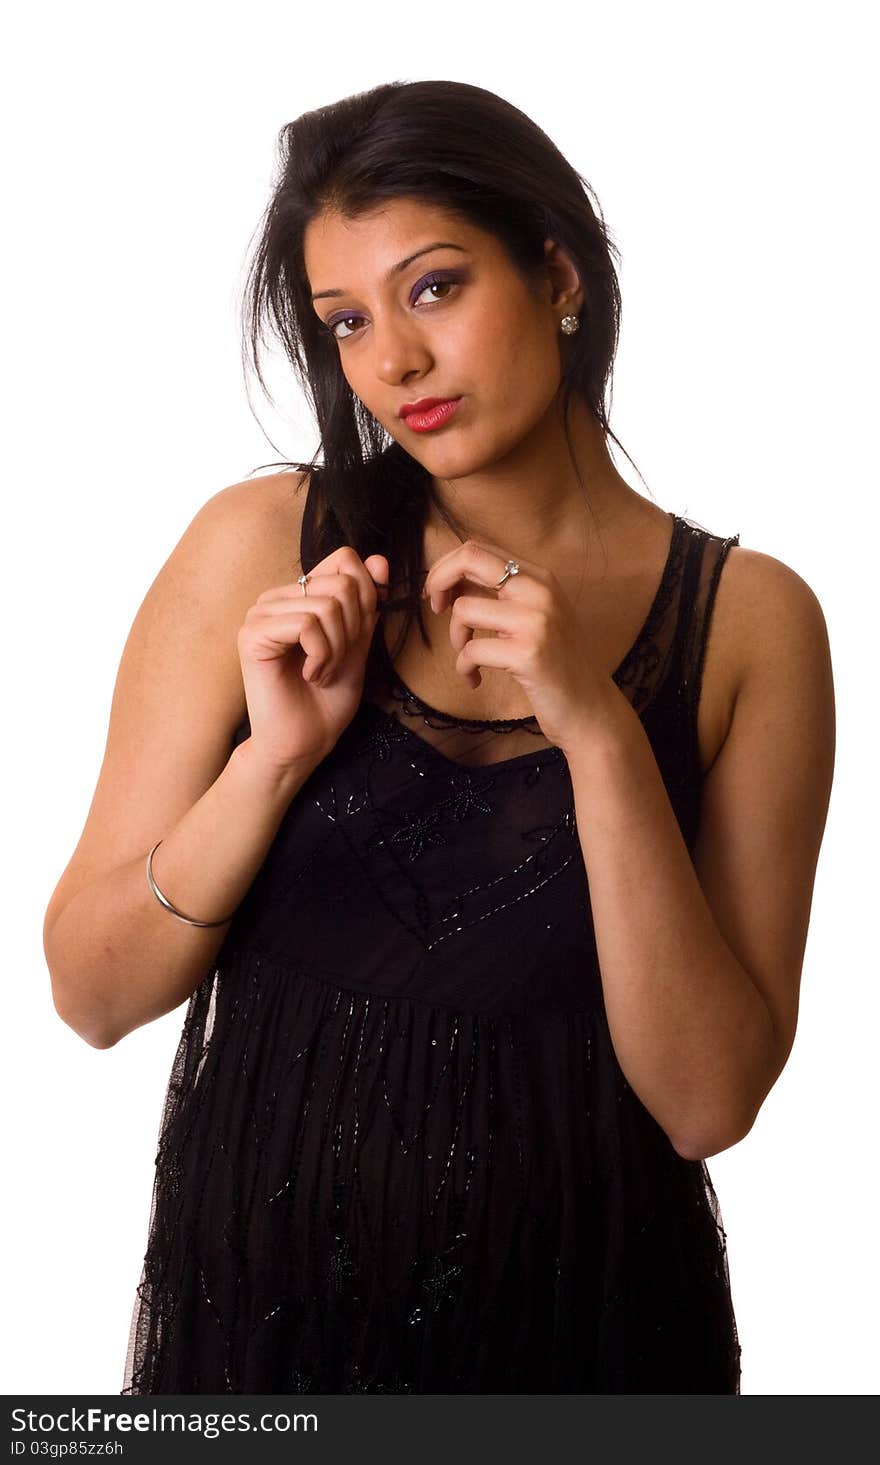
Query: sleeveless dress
[{"x": 397, "y": 1152}]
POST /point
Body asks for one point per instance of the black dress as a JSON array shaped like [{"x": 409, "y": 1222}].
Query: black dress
[{"x": 398, "y": 1154}]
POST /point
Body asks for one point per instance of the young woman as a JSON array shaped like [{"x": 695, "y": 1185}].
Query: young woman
[{"x": 486, "y": 870}]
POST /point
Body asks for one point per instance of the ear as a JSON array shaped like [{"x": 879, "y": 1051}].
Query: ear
[{"x": 565, "y": 285}]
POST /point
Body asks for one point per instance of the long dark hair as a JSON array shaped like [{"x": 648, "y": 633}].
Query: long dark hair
[{"x": 466, "y": 150}]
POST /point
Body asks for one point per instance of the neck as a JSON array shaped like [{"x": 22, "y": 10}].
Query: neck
[{"x": 530, "y": 501}]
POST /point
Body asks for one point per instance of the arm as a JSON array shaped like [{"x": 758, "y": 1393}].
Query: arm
[
  {"x": 701, "y": 961},
  {"x": 117, "y": 957}
]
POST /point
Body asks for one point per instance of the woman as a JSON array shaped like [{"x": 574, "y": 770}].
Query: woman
[{"x": 486, "y": 873}]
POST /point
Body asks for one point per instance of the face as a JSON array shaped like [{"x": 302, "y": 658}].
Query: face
[{"x": 458, "y": 321}]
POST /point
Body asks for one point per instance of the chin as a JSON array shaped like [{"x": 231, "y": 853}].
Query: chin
[{"x": 459, "y": 460}]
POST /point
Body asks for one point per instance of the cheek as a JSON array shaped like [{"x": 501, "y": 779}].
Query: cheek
[
  {"x": 365, "y": 390},
  {"x": 528, "y": 371}
]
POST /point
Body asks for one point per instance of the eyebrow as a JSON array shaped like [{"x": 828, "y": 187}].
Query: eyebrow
[{"x": 396, "y": 269}]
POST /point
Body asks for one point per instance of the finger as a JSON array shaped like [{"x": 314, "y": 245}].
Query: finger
[
  {"x": 323, "y": 610},
  {"x": 282, "y": 630},
  {"x": 482, "y": 613},
  {"x": 485, "y": 651},
  {"x": 472, "y": 562},
  {"x": 315, "y": 643},
  {"x": 346, "y": 560},
  {"x": 377, "y": 565},
  {"x": 342, "y": 588}
]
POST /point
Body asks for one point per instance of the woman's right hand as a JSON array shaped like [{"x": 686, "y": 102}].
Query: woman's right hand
[{"x": 303, "y": 657}]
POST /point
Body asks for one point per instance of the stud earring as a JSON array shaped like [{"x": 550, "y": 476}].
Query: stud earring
[{"x": 569, "y": 324}]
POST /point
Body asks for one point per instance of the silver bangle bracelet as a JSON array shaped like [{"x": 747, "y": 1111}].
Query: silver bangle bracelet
[{"x": 163, "y": 900}]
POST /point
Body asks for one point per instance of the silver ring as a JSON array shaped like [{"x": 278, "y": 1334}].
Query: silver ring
[
  {"x": 511, "y": 568},
  {"x": 303, "y": 580}
]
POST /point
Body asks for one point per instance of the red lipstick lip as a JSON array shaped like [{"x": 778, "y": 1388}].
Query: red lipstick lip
[{"x": 424, "y": 403}]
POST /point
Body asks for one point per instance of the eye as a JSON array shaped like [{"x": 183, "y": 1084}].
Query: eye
[
  {"x": 429, "y": 282},
  {"x": 340, "y": 320}
]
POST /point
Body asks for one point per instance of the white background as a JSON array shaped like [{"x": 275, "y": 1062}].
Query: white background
[{"x": 729, "y": 146}]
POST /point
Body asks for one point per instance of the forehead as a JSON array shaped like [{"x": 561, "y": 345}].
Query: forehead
[{"x": 336, "y": 246}]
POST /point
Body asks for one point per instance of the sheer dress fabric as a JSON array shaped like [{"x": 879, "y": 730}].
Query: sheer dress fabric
[{"x": 397, "y": 1152}]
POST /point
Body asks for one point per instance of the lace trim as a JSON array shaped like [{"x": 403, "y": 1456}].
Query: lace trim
[{"x": 413, "y": 706}]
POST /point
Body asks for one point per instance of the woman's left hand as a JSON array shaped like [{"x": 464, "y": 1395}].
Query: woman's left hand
[{"x": 537, "y": 640}]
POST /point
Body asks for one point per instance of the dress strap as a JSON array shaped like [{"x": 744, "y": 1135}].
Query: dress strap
[{"x": 706, "y": 562}]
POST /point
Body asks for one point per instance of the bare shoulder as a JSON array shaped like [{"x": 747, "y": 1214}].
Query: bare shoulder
[
  {"x": 767, "y": 624},
  {"x": 244, "y": 540},
  {"x": 258, "y": 523},
  {"x": 766, "y": 613},
  {"x": 250, "y": 544}
]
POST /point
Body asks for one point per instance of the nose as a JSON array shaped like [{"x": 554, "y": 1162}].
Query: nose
[{"x": 399, "y": 349}]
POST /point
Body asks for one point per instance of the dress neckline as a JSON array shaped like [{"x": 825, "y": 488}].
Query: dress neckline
[{"x": 507, "y": 724}]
